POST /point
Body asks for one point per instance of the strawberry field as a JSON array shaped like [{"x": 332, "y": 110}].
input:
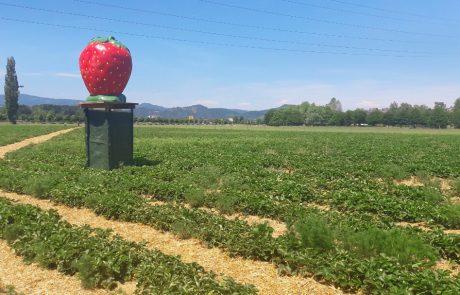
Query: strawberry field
[
  {"x": 13, "y": 133},
  {"x": 377, "y": 213}
]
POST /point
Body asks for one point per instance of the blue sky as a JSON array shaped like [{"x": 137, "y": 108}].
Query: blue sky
[{"x": 251, "y": 54}]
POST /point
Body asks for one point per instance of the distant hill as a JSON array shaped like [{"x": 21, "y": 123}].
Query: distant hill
[
  {"x": 197, "y": 111},
  {"x": 31, "y": 100},
  {"x": 147, "y": 109}
]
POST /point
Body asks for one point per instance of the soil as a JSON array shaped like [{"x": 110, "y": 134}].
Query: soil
[
  {"x": 446, "y": 265},
  {"x": 414, "y": 181},
  {"x": 32, "y": 279},
  {"x": 34, "y": 140},
  {"x": 279, "y": 228}
]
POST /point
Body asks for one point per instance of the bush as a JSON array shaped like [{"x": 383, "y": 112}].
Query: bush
[
  {"x": 40, "y": 186},
  {"x": 182, "y": 229},
  {"x": 315, "y": 233},
  {"x": 205, "y": 177},
  {"x": 393, "y": 171},
  {"x": 195, "y": 197},
  {"x": 226, "y": 203},
  {"x": 424, "y": 176},
  {"x": 373, "y": 242},
  {"x": 432, "y": 194},
  {"x": 450, "y": 216},
  {"x": 12, "y": 232},
  {"x": 456, "y": 186}
]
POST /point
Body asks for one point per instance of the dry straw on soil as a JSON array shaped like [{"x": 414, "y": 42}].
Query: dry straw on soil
[
  {"x": 446, "y": 265},
  {"x": 32, "y": 279},
  {"x": 279, "y": 228},
  {"x": 261, "y": 274},
  {"x": 423, "y": 226},
  {"x": 323, "y": 208},
  {"x": 34, "y": 140},
  {"x": 416, "y": 182}
]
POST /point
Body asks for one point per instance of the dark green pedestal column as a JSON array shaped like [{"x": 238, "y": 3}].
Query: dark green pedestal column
[{"x": 109, "y": 134}]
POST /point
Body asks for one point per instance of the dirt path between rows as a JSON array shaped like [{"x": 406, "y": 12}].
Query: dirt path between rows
[
  {"x": 32, "y": 279},
  {"x": 279, "y": 228},
  {"x": 261, "y": 274},
  {"x": 34, "y": 140}
]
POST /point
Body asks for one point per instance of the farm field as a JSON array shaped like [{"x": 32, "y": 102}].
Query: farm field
[
  {"x": 363, "y": 210},
  {"x": 333, "y": 129},
  {"x": 13, "y": 133}
]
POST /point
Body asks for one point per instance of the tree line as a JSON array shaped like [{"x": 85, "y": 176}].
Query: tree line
[
  {"x": 196, "y": 121},
  {"x": 404, "y": 114},
  {"x": 308, "y": 114},
  {"x": 46, "y": 113}
]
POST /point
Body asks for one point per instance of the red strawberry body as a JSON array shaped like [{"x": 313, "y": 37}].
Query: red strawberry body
[{"x": 105, "y": 66}]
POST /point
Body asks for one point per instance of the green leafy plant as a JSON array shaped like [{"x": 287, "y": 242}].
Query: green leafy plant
[
  {"x": 40, "y": 186},
  {"x": 195, "y": 197},
  {"x": 315, "y": 234},
  {"x": 393, "y": 171},
  {"x": 406, "y": 249},
  {"x": 226, "y": 203},
  {"x": 450, "y": 215},
  {"x": 101, "y": 259},
  {"x": 345, "y": 179}
]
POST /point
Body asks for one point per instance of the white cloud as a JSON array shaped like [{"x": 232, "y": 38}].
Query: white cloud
[
  {"x": 283, "y": 101},
  {"x": 67, "y": 75}
]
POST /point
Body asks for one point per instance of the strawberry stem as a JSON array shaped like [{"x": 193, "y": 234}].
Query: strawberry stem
[{"x": 109, "y": 39}]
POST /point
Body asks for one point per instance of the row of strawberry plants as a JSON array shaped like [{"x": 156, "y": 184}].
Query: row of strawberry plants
[
  {"x": 93, "y": 190},
  {"x": 291, "y": 254},
  {"x": 327, "y": 168},
  {"x": 290, "y": 212},
  {"x": 342, "y": 184},
  {"x": 71, "y": 188},
  {"x": 356, "y": 178},
  {"x": 101, "y": 259}
]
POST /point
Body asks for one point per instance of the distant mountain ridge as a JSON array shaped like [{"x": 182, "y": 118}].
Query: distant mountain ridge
[
  {"x": 197, "y": 111},
  {"x": 146, "y": 109},
  {"x": 31, "y": 100}
]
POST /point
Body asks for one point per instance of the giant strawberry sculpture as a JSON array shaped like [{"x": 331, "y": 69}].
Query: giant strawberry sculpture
[{"x": 105, "y": 66}]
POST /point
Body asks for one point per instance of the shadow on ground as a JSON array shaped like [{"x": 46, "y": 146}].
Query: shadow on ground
[{"x": 142, "y": 161}]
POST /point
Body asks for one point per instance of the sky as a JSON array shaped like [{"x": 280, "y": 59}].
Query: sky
[{"x": 245, "y": 54}]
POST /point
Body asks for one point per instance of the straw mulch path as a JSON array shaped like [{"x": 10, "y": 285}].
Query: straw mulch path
[
  {"x": 34, "y": 140},
  {"x": 261, "y": 274},
  {"x": 32, "y": 279}
]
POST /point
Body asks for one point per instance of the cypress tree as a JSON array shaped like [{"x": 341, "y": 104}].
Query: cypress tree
[
  {"x": 11, "y": 91},
  {"x": 456, "y": 114}
]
